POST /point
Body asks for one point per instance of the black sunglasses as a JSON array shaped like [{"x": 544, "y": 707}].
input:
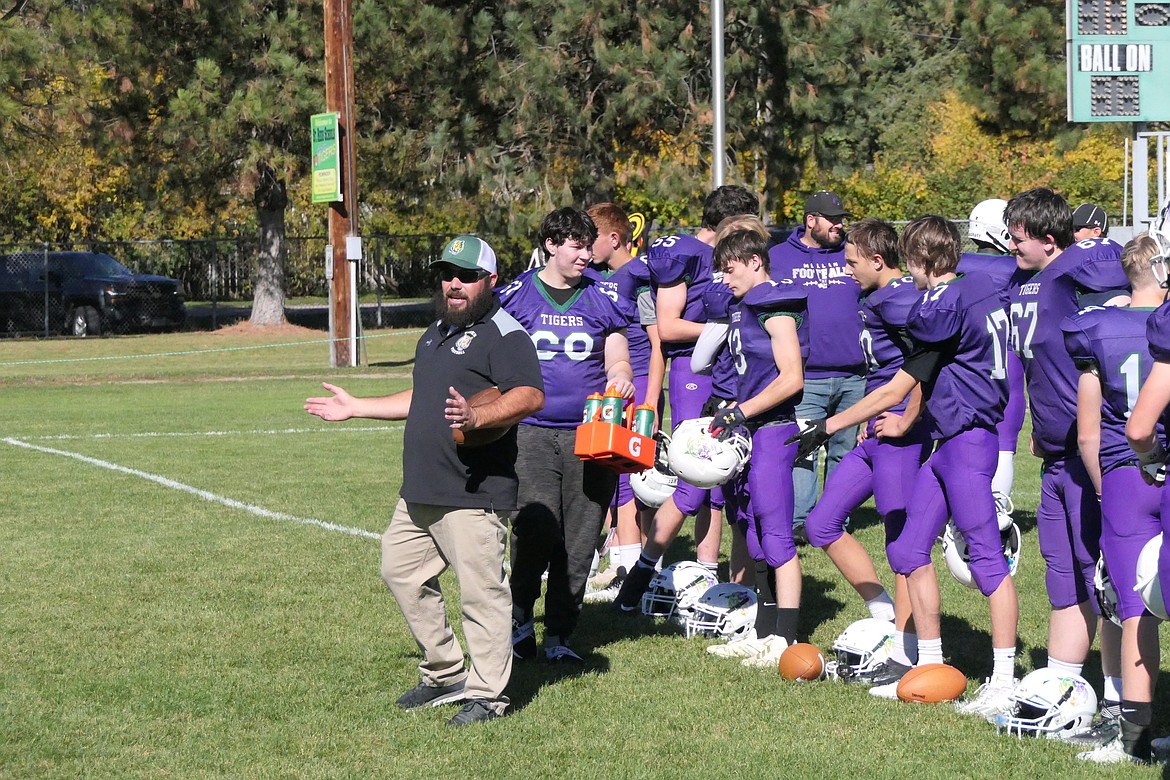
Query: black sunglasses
[{"x": 464, "y": 275}]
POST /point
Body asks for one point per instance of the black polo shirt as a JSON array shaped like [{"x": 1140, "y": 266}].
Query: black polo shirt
[{"x": 493, "y": 351}]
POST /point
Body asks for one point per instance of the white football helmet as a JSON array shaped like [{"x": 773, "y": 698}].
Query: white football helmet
[
  {"x": 1159, "y": 262},
  {"x": 704, "y": 461},
  {"x": 724, "y": 611},
  {"x": 959, "y": 562},
  {"x": 674, "y": 590},
  {"x": 1106, "y": 593},
  {"x": 1049, "y": 704},
  {"x": 653, "y": 487},
  {"x": 862, "y": 646},
  {"x": 1003, "y": 510},
  {"x": 1149, "y": 584},
  {"x": 986, "y": 223}
]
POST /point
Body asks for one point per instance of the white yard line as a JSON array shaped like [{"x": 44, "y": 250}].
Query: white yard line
[{"x": 205, "y": 495}]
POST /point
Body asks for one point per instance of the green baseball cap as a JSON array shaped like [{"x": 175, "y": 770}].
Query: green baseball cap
[{"x": 469, "y": 252}]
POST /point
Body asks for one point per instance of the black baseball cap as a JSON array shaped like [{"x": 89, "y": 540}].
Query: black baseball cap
[
  {"x": 1088, "y": 215},
  {"x": 826, "y": 204}
]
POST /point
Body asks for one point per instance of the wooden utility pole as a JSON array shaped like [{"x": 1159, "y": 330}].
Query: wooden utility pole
[{"x": 343, "y": 217}]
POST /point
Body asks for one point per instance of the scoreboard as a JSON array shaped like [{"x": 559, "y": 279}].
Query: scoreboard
[{"x": 1118, "y": 60}]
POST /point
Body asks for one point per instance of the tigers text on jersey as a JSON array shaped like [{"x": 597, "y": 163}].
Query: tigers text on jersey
[
  {"x": 965, "y": 321},
  {"x": 1113, "y": 340},
  {"x": 682, "y": 258},
  {"x": 569, "y": 341},
  {"x": 833, "y": 324},
  {"x": 1037, "y": 309},
  {"x": 751, "y": 344},
  {"x": 883, "y": 337}
]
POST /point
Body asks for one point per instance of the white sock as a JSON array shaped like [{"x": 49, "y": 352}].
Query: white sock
[
  {"x": 930, "y": 651},
  {"x": 905, "y": 649},
  {"x": 711, "y": 567},
  {"x": 593, "y": 566},
  {"x": 627, "y": 556},
  {"x": 881, "y": 607},
  {"x": 1064, "y": 667},
  {"x": 1005, "y": 473},
  {"x": 1112, "y": 689},
  {"x": 1003, "y": 664}
]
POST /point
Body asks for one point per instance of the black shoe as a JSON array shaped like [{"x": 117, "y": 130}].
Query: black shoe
[
  {"x": 888, "y": 671},
  {"x": 523, "y": 640},
  {"x": 423, "y": 695},
  {"x": 629, "y": 598},
  {"x": 474, "y": 711},
  {"x": 561, "y": 654},
  {"x": 1105, "y": 730}
]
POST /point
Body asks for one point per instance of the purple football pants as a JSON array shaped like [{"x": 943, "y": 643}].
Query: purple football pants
[
  {"x": 762, "y": 499},
  {"x": 955, "y": 482},
  {"x": 1130, "y": 512},
  {"x": 883, "y": 468},
  {"x": 688, "y": 393},
  {"x": 1068, "y": 525}
]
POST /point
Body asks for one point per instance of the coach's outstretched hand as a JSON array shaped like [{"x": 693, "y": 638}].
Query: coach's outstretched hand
[
  {"x": 726, "y": 421},
  {"x": 338, "y": 406},
  {"x": 811, "y": 438}
]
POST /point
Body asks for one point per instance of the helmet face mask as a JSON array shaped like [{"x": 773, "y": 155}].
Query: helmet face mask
[
  {"x": 958, "y": 560},
  {"x": 653, "y": 486},
  {"x": 700, "y": 459},
  {"x": 723, "y": 611},
  {"x": 1106, "y": 593},
  {"x": 1158, "y": 263},
  {"x": 674, "y": 590},
  {"x": 862, "y": 646},
  {"x": 1048, "y": 704}
]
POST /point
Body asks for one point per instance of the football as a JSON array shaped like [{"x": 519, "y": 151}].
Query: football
[
  {"x": 802, "y": 661},
  {"x": 480, "y": 436},
  {"x": 932, "y": 683}
]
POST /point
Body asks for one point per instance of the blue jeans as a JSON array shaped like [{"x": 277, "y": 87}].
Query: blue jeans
[{"x": 823, "y": 398}]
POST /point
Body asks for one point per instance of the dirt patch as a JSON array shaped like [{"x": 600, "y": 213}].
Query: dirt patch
[{"x": 245, "y": 328}]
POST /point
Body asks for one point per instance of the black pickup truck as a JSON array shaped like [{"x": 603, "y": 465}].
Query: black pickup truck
[{"x": 84, "y": 294}]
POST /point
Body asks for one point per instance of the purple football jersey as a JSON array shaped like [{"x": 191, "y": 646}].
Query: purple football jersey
[
  {"x": 631, "y": 280},
  {"x": 1113, "y": 339},
  {"x": 834, "y": 326},
  {"x": 964, "y": 319},
  {"x": 569, "y": 340},
  {"x": 1001, "y": 268},
  {"x": 686, "y": 258},
  {"x": 717, "y": 302},
  {"x": 1158, "y": 333},
  {"x": 883, "y": 315},
  {"x": 751, "y": 344},
  {"x": 1037, "y": 309}
]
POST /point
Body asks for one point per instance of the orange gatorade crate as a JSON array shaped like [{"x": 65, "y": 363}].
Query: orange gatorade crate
[{"x": 614, "y": 446}]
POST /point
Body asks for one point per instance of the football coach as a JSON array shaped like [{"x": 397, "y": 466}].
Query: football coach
[{"x": 455, "y": 499}]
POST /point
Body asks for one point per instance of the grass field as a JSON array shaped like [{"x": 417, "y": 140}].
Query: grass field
[{"x": 190, "y": 589}]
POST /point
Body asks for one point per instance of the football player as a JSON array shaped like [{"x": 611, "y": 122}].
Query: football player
[
  {"x": 1065, "y": 277},
  {"x": 885, "y": 465},
  {"x": 1109, "y": 346},
  {"x": 680, "y": 272},
  {"x": 579, "y": 331},
  {"x": 630, "y": 278},
  {"x": 768, "y": 357},
  {"x": 960, "y": 335}
]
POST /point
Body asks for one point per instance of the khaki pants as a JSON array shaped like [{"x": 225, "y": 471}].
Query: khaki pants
[{"x": 420, "y": 543}]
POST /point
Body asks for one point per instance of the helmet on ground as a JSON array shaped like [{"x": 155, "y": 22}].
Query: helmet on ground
[
  {"x": 986, "y": 223},
  {"x": 1050, "y": 704},
  {"x": 704, "y": 461},
  {"x": 862, "y": 646},
  {"x": 674, "y": 590},
  {"x": 724, "y": 611},
  {"x": 1149, "y": 584},
  {"x": 1106, "y": 593},
  {"x": 959, "y": 561},
  {"x": 653, "y": 487}
]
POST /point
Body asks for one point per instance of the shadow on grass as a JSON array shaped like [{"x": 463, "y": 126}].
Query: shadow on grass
[{"x": 392, "y": 363}]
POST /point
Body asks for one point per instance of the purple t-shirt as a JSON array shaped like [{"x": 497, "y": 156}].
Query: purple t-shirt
[
  {"x": 1038, "y": 307},
  {"x": 834, "y": 326},
  {"x": 964, "y": 320},
  {"x": 1113, "y": 340},
  {"x": 630, "y": 281},
  {"x": 717, "y": 302},
  {"x": 686, "y": 258},
  {"x": 751, "y": 344},
  {"x": 569, "y": 341},
  {"x": 883, "y": 337}
]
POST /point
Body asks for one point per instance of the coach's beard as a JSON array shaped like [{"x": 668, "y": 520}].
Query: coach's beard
[{"x": 463, "y": 316}]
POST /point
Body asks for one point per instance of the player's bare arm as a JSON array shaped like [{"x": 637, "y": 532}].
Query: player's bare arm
[
  {"x": 786, "y": 353},
  {"x": 1089, "y": 425},
  {"x": 671, "y": 301},
  {"x": 618, "y": 373}
]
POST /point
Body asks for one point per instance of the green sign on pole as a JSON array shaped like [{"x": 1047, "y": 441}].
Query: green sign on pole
[
  {"x": 326, "y": 159},
  {"x": 1118, "y": 60}
]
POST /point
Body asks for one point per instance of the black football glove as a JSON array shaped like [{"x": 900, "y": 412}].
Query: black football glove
[
  {"x": 725, "y": 422},
  {"x": 811, "y": 438},
  {"x": 713, "y": 405}
]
